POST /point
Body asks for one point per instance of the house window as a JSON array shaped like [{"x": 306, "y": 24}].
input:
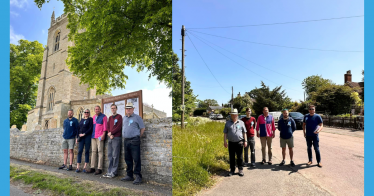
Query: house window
[
  {"x": 57, "y": 41},
  {"x": 51, "y": 98}
]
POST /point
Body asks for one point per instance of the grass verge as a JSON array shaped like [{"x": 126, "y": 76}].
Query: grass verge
[
  {"x": 58, "y": 184},
  {"x": 198, "y": 154}
]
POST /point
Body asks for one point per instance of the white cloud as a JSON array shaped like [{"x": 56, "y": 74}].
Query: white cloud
[
  {"x": 15, "y": 37},
  {"x": 18, "y": 3},
  {"x": 14, "y": 13},
  {"x": 160, "y": 99}
]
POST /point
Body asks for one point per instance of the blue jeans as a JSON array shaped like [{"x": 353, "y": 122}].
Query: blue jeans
[
  {"x": 313, "y": 140},
  {"x": 132, "y": 156},
  {"x": 86, "y": 143}
]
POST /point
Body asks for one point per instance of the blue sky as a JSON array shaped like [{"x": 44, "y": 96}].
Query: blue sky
[
  {"x": 29, "y": 22},
  {"x": 296, "y": 65}
]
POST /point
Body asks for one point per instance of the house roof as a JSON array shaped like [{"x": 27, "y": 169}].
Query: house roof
[{"x": 360, "y": 85}]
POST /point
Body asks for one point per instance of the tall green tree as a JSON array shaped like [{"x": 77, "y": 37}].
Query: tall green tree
[
  {"x": 313, "y": 83},
  {"x": 111, "y": 35},
  {"x": 176, "y": 93},
  {"x": 336, "y": 99},
  {"x": 242, "y": 102},
  {"x": 275, "y": 99},
  {"x": 25, "y": 65},
  {"x": 207, "y": 102}
]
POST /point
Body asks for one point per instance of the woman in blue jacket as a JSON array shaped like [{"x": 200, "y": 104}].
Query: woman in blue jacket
[{"x": 84, "y": 135}]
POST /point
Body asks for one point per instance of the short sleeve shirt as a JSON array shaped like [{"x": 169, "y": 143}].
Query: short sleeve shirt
[
  {"x": 235, "y": 130},
  {"x": 131, "y": 126},
  {"x": 311, "y": 123}
]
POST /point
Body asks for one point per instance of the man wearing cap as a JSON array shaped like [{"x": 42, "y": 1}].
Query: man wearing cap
[
  {"x": 266, "y": 131},
  {"x": 132, "y": 130},
  {"x": 312, "y": 125},
  {"x": 97, "y": 141},
  {"x": 286, "y": 126},
  {"x": 235, "y": 132}
]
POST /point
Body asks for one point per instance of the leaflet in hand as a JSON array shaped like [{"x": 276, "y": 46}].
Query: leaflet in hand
[{"x": 315, "y": 131}]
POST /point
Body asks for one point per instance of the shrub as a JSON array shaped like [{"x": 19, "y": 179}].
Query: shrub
[{"x": 199, "y": 111}]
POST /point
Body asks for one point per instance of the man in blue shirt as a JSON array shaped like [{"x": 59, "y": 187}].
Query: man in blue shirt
[
  {"x": 132, "y": 130},
  {"x": 286, "y": 126},
  {"x": 71, "y": 127},
  {"x": 312, "y": 125}
]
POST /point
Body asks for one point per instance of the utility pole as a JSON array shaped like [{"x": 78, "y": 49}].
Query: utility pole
[
  {"x": 183, "y": 107},
  {"x": 232, "y": 98}
]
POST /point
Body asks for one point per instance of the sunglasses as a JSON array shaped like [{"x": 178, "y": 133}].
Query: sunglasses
[
  {"x": 86, "y": 112},
  {"x": 311, "y": 109}
]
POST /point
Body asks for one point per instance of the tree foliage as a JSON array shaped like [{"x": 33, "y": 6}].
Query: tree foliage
[
  {"x": 25, "y": 65},
  {"x": 207, "y": 102},
  {"x": 313, "y": 83},
  {"x": 111, "y": 35},
  {"x": 242, "y": 102},
  {"x": 335, "y": 99},
  {"x": 275, "y": 99},
  {"x": 176, "y": 93}
]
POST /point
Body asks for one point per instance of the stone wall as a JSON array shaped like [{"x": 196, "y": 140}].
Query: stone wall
[
  {"x": 158, "y": 112},
  {"x": 44, "y": 147}
]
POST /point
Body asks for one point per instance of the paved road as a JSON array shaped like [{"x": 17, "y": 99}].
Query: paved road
[
  {"x": 15, "y": 191},
  {"x": 342, "y": 156},
  {"x": 160, "y": 190}
]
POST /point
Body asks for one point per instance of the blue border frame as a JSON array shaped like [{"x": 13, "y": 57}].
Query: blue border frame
[
  {"x": 369, "y": 106},
  {"x": 4, "y": 100}
]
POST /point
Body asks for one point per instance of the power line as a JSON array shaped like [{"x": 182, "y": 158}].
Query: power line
[
  {"x": 274, "y": 44},
  {"x": 242, "y": 65},
  {"x": 206, "y": 65},
  {"x": 244, "y": 58},
  {"x": 280, "y": 23}
]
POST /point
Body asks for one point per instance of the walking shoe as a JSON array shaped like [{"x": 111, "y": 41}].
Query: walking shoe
[
  {"x": 106, "y": 175},
  {"x": 62, "y": 167},
  {"x": 241, "y": 173},
  {"x": 77, "y": 170},
  {"x": 263, "y": 161},
  {"x": 84, "y": 170},
  {"x": 137, "y": 180},
  {"x": 111, "y": 175},
  {"x": 70, "y": 168},
  {"x": 98, "y": 171},
  {"x": 282, "y": 163},
  {"x": 309, "y": 163},
  {"x": 270, "y": 163},
  {"x": 91, "y": 170},
  {"x": 253, "y": 165},
  {"x": 319, "y": 165},
  {"x": 292, "y": 164},
  {"x": 127, "y": 178}
]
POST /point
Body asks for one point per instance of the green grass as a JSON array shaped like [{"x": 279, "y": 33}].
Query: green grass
[
  {"x": 198, "y": 154},
  {"x": 59, "y": 185}
]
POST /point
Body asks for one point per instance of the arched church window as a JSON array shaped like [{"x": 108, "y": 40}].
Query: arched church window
[
  {"x": 57, "y": 40},
  {"x": 80, "y": 114},
  {"x": 51, "y": 99}
]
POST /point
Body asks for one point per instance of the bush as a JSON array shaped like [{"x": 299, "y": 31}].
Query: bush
[{"x": 199, "y": 111}]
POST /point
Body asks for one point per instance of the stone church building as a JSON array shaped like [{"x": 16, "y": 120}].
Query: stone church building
[{"x": 59, "y": 90}]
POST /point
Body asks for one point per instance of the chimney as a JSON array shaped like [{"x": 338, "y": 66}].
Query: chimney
[{"x": 348, "y": 77}]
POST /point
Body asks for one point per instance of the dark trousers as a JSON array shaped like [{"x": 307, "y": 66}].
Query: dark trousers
[
  {"x": 313, "y": 140},
  {"x": 114, "y": 147},
  {"x": 132, "y": 156},
  {"x": 235, "y": 149},
  {"x": 86, "y": 143},
  {"x": 251, "y": 145}
]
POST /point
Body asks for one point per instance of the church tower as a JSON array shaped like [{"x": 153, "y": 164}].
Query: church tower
[{"x": 57, "y": 85}]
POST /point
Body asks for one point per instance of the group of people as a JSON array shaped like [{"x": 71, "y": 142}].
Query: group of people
[
  {"x": 91, "y": 132},
  {"x": 240, "y": 134}
]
